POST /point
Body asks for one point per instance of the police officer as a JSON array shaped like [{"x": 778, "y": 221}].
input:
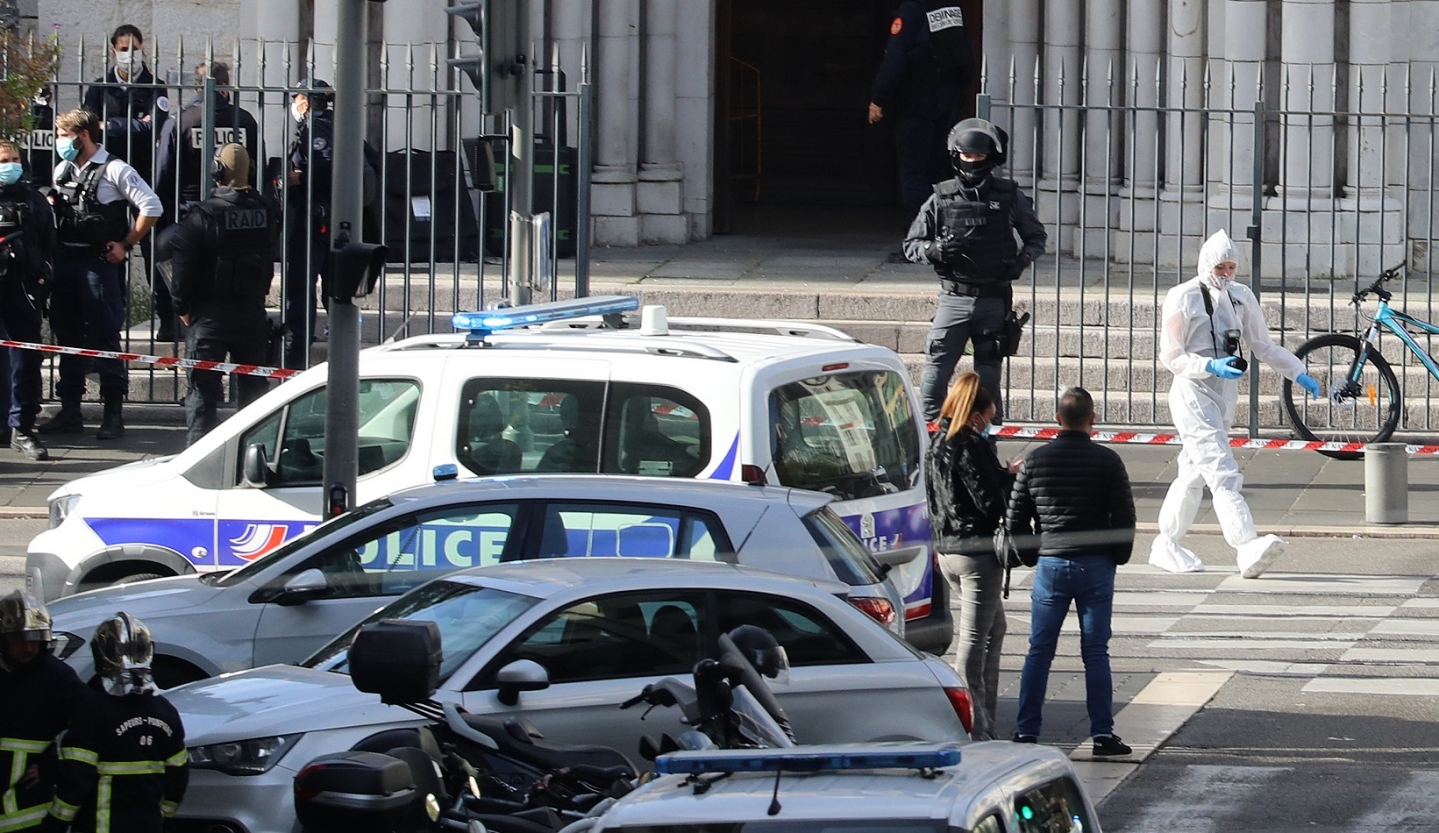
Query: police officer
[
  {"x": 966, "y": 230},
  {"x": 93, "y": 194},
  {"x": 223, "y": 260},
  {"x": 182, "y": 141},
  {"x": 133, "y": 110},
  {"x": 39, "y": 697},
  {"x": 309, "y": 173},
  {"x": 928, "y": 66},
  {"x": 123, "y": 764},
  {"x": 27, "y": 253}
]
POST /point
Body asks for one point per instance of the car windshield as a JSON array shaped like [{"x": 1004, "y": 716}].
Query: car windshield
[
  {"x": 846, "y": 555},
  {"x": 889, "y": 825},
  {"x": 282, "y": 552},
  {"x": 468, "y": 616}
]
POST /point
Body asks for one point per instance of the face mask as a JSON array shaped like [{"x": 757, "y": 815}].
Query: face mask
[
  {"x": 296, "y": 113},
  {"x": 66, "y": 148},
  {"x": 1220, "y": 282},
  {"x": 10, "y": 173},
  {"x": 129, "y": 59},
  {"x": 973, "y": 173}
]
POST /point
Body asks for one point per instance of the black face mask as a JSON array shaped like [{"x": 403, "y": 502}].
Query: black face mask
[{"x": 972, "y": 173}]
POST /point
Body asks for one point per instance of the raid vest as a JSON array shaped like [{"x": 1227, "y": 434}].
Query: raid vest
[{"x": 983, "y": 226}]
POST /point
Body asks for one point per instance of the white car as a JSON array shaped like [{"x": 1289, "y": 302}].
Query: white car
[
  {"x": 601, "y": 628},
  {"x": 990, "y": 787},
  {"x": 793, "y": 404},
  {"x": 285, "y": 605}
]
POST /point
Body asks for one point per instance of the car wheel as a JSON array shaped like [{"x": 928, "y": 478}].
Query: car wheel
[{"x": 169, "y": 672}]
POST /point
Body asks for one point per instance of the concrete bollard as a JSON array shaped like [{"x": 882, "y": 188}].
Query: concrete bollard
[{"x": 1386, "y": 484}]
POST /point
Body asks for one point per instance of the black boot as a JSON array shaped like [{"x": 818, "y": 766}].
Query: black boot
[
  {"x": 24, "y": 441},
  {"x": 67, "y": 420},
  {"x": 112, "y": 427}
]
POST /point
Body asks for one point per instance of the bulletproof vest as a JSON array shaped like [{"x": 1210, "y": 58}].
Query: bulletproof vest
[
  {"x": 81, "y": 220},
  {"x": 13, "y": 258},
  {"x": 193, "y": 166},
  {"x": 238, "y": 238},
  {"x": 984, "y": 228}
]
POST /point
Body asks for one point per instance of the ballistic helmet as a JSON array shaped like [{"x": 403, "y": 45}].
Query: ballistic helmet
[
  {"x": 24, "y": 616},
  {"x": 762, "y": 650},
  {"x": 977, "y": 136},
  {"x": 123, "y": 652}
]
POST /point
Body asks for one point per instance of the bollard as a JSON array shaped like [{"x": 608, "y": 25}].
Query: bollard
[{"x": 1386, "y": 484}]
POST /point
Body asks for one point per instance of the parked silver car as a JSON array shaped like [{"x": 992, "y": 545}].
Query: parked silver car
[
  {"x": 285, "y": 605},
  {"x": 600, "y": 628}
]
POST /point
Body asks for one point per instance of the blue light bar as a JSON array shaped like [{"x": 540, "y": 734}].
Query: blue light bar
[
  {"x": 837, "y": 757},
  {"x": 481, "y": 324},
  {"x": 446, "y": 471}
]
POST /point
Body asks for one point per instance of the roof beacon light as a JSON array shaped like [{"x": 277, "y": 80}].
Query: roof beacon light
[
  {"x": 478, "y": 325},
  {"x": 830, "y": 758}
]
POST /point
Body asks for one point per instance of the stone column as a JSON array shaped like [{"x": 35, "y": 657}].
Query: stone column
[
  {"x": 1307, "y": 47},
  {"x": 1104, "y": 128},
  {"x": 660, "y": 194},
  {"x": 998, "y": 51},
  {"x": 322, "y": 44},
  {"x": 1138, "y": 213},
  {"x": 617, "y": 99},
  {"x": 1020, "y": 83},
  {"x": 274, "y": 25},
  {"x": 415, "y": 50},
  {"x": 1231, "y": 169},
  {"x": 1183, "y": 166},
  {"x": 694, "y": 113},
  {"x": 1056, "y": 193},
  {"x": 1376, "y": 144}
]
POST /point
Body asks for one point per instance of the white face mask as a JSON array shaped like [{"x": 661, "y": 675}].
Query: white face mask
[
  {"x": 296, "y": 113},
  {"x": 129, "y": 60},
  {"x": 1218, "y": 281}
]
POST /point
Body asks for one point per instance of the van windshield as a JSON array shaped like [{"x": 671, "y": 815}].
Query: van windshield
[{"x": 851, "y": 435}]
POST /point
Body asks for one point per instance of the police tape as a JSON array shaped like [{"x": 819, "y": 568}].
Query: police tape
[
  {"x": 159, "y": 361},
  {"x": 1029, "y": 432}
]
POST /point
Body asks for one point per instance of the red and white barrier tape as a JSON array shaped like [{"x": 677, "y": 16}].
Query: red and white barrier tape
[
  {"x": 159, "y": 361},
  {"x": 1026, "y": 432}
]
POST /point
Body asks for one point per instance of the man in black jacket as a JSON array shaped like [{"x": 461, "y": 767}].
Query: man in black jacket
[{"x": 1074, "y": 496}]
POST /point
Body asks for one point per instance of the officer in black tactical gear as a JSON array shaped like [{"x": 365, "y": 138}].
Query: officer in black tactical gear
[
  {"x": 966, "y": 229},
  {"x": 309, "y": 169},
  {"x": 27, "y": 258},
  {"x": 123, "y": 763},
  {"x": 928, "y": 66},
  {"x": 224, "y": 260},
  {"x": 181, "y": 166},
  {"x": 39, "y": 697}
]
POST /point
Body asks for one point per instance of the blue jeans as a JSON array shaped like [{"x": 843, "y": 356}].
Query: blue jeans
[{"x": 1088, "y": 581}]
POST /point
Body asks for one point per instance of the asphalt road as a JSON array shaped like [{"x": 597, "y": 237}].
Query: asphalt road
[{"x": 1330, "y": 722}]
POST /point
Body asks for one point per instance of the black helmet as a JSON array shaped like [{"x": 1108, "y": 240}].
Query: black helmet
[
  {"x": 123, "y": 651},
  {"x": 320, "y": 94},
  {"x": 977, "y": 136},
  {"x": 763, "y": 651},
  {"x": 24, "y": 616}
]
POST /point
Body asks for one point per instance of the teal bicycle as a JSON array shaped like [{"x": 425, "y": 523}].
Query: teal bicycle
[{"x": 1364, "y": 401}]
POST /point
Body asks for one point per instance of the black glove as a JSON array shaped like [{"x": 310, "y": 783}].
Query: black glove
[
  {"x": 944, "y": 251},
  {"x": 1017, "y": 268}
]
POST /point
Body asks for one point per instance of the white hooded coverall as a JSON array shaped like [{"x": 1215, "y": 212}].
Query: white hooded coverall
[{"x": 1202, "y": 406}]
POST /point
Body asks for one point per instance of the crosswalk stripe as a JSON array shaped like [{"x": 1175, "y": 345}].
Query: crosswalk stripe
[
  {"x": 1412, "y": 805},
  {"x": 1326, "y": 584},
  {"x": 1407, "y": 627},
  {"x": 1202, "y": 797},
  {"x": 1269, "y": 667},
  {"x": 1263, "y": 611},
  {"x": 1399, "y": 686},
  {"x": 1248, "y": 644},
  {"x": 1416, "y": 656}
]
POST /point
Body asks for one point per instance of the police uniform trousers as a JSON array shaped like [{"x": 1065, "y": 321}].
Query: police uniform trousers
[
  {"x": 959, "y": 320},
  {"x": 19, "y": 371},
  {"x": 919, "y": 150},
  {"x": 306, "y": 249},
  {"x": 219, "y": 328},
  {"x": 88, "y": 306}
]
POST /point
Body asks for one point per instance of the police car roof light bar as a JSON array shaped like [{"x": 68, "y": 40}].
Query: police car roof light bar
[
  {"x": 838, "y": 757},
  {"x": 478, "y": 325}
]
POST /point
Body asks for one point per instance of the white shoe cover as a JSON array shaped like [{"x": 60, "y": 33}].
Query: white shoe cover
[
  {"x": 1256, "y": 556},
  {"x": 1167, "y": 555}
]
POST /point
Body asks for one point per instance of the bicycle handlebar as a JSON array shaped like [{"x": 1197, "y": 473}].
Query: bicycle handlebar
[{"x": 1377, "y": 288}]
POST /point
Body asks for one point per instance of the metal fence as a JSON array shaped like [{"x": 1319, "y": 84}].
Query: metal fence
[
  {"x": 1323, "y": 179},
  {"x": 441, "y": 173}
]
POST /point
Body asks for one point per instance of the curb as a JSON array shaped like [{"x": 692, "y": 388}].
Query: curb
[
  {"x": 1421, "y": 532},
  {"x": 24, "y": 513}
]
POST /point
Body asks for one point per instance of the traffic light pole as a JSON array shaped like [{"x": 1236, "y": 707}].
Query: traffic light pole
[
  {"x": 342, "y": 411},
  {"x": 521, "y": 183}
]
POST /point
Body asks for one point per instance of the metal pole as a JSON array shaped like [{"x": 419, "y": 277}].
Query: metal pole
[
  {"x": 582, "y": 184},
  {"x": 522, "y": 171},
  {"x": 207, "y": 137},
  {"x": 1256, "y": 247},
  {"x": 343, "y": 398}
]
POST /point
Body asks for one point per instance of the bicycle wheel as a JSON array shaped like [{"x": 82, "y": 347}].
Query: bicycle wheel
[{"x": 1364, "y": 410}]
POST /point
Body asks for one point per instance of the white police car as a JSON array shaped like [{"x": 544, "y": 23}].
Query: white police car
[
  {"x": 546, "y": 388},
  {"x": 990, "y": 787}
]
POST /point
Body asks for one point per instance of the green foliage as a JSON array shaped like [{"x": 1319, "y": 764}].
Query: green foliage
[{"x": 27, "y": 64}]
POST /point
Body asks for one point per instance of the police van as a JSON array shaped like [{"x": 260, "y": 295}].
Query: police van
[{"x": 571, "y": 386}]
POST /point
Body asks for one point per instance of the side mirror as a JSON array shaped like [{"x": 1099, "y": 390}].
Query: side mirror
[
  {"x": 302, "y": 587},
  {"x": 257, "y": 468},
  {"x": 521, "y": 675}
]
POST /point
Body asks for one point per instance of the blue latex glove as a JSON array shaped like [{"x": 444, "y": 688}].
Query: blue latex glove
[
  {"x": 1224, "y": 368},
  {"x": 1309, "y": 383}
]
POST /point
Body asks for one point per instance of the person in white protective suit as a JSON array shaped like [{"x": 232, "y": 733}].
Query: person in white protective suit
[{"x": 1208, "y": 321}]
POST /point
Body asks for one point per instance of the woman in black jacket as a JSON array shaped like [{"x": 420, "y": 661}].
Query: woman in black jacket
[{"x": 968, "y": 488}]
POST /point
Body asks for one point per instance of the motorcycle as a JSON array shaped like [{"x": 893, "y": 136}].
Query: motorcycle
[{"x": 460, "y": 769}]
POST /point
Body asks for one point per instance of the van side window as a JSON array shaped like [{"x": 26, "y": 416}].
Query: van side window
[
  {"x": 655, "y": 431},
  {"x": 387, "y": 426},
  {"x": 529, "y": 425},
  {"x": 1056, "y": 807},
  {"x": 852, "y": 435}
]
